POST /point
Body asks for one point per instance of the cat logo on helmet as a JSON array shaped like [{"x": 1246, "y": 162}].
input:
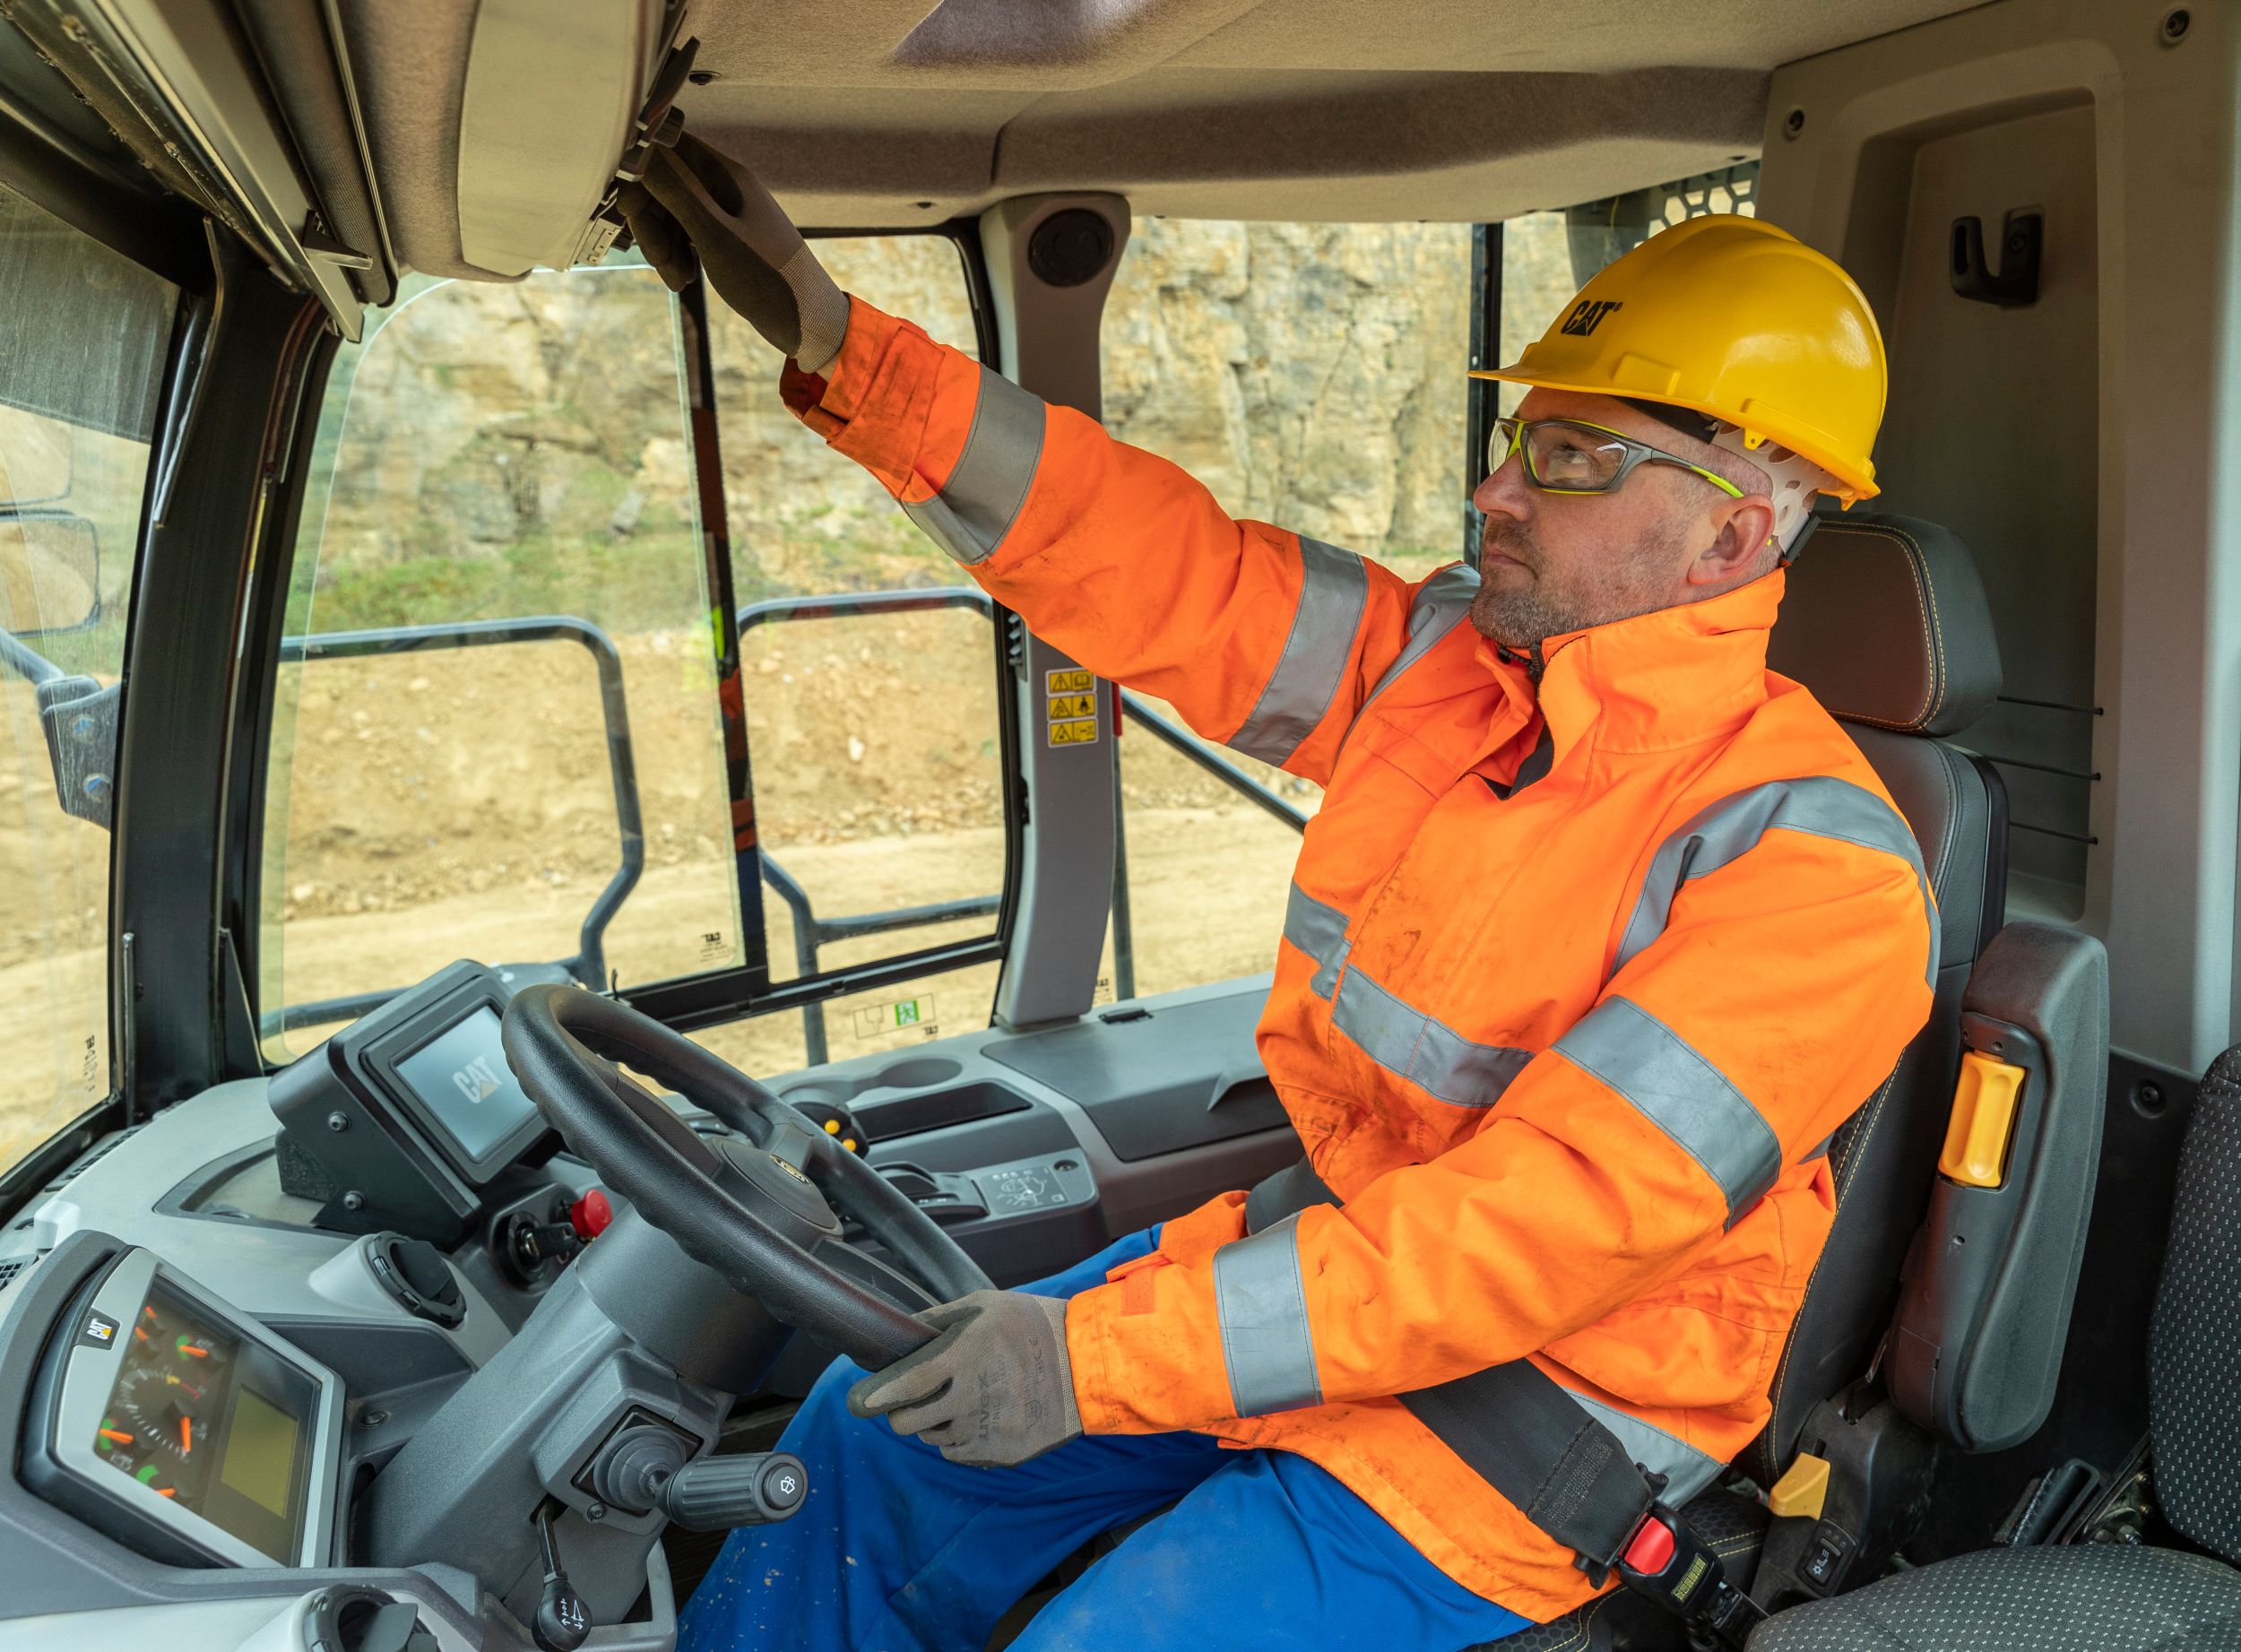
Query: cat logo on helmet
[{"x": 1587, "y": 315}]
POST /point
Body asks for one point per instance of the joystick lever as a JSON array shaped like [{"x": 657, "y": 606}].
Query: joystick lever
[
  {"x": 720, "y": 1493},
  {"x": 644, "y": 1468}
]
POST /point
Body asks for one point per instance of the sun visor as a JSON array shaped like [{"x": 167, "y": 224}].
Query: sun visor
[{"x": 551, "y": 98}]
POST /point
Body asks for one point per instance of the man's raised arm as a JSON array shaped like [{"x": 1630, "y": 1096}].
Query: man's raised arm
[{"x": 1262, "y": 640}]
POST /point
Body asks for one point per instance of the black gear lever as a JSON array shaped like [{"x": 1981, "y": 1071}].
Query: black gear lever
[{"x": 563, "y": 1621}]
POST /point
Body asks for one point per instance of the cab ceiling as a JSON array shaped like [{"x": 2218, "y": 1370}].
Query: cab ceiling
[
  {"x": 885, "y": 113},
  {"x": 882, "y": 112}
]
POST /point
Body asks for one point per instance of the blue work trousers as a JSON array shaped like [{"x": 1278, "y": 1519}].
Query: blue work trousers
[{"x": 900, "y": 1550}]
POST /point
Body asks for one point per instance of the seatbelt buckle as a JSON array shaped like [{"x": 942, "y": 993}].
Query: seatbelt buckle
[{"x": 1665, "y": 1560}]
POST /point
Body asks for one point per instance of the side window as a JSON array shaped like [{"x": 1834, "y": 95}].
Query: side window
[
  {"x": 497, "y": 733},
  {"x": 1312, "y": 375},
  {"x": 870, "y": 676},
  {"x": 82, "y": 336}
]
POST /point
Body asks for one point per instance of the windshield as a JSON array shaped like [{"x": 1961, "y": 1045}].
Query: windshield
[{"x": 82, "y": 332}]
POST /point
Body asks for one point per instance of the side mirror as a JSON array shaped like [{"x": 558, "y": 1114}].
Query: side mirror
[{"x": 50, "y": 568}]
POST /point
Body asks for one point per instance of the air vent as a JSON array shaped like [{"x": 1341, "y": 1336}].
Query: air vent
[
  {"x": 78, "y": 1166},
  {"x": 14, "y": 1266}
]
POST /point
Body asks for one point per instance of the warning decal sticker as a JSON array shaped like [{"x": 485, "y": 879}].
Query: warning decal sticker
[{"x": 1071, "y": 701}]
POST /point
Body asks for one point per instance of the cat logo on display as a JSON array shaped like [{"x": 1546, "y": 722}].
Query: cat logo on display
[
  {"x": 1587, "y": 315},
  {"x": 100, "y": 1332},
  {"x": 476, "y": 1081}
]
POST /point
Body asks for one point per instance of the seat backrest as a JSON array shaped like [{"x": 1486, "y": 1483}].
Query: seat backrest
[
  {"x": 1886, "y": 622},
  {"x": 2195, "y": 1350}
]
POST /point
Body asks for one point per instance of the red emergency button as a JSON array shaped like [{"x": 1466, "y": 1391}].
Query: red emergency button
[
  {"x": 590, "y": 1216},
  {"x": 1650, "y": 1549}
]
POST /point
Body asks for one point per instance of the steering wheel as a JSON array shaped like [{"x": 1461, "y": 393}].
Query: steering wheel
[{"x": 759, "y": 1211}]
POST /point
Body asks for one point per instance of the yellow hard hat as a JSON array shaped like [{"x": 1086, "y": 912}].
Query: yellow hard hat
[{"x": 1737, "y": 320}]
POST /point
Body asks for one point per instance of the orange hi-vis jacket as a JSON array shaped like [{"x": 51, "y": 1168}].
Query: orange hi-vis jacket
[{"x": 1578, "y": 976}]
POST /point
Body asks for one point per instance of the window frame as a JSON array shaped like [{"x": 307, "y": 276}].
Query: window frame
[
  {"x": 42, "y": 161},
  {"x": 1484, "y": 405}
]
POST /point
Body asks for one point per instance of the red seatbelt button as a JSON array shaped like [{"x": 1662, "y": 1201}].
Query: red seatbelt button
[
  {"x": 590, "y": 1214},
  {"x": 1650, "y": 1550}
]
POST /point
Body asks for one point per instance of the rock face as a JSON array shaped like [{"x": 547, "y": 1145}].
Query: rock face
[{"x": 1310, "y": 375}]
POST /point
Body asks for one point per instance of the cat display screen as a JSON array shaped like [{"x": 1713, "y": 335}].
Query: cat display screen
[{"x": 464, "y": 1087}]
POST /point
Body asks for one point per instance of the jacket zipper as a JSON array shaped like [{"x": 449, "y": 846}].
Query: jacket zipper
[{"x": 1535, "y": 663}]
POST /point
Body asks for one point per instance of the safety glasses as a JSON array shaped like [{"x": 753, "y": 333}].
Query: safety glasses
[{"x": 1570, "y": 455}]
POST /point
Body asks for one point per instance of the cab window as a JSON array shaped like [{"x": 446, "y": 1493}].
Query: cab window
[
  {"x": 1312, "y": 375},
  {"x": 82, "y": 348},
  {"x": 499, "y": 729},
  {"x": 497, "y": 733},
  {"x": 871, "y": 667}
]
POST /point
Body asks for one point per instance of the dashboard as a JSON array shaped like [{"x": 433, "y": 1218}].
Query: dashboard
[{"x": 209, "y": 1351}]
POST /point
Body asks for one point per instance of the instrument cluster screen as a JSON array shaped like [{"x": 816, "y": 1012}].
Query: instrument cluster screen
[
  {"x": 461, "y": 1078},
  {"x": 214, "y": 1423}
]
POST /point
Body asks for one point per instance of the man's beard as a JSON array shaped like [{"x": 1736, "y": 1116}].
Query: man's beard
[{"x": 1518, "y": 617}]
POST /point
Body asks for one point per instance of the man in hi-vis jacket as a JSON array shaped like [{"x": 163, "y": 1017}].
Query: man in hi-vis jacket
[{"x": 1601, "y": 929}]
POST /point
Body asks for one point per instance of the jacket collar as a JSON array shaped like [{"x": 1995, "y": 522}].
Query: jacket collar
[{"x": 1659, "y": 681}]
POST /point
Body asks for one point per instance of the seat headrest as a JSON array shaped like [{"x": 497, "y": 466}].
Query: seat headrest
[{"x": 1885, "y": 621}]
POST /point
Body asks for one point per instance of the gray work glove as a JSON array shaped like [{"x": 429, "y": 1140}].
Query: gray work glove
[
  {"x": 697, "y": 199},
  {"x": 992, "y": 1390}
]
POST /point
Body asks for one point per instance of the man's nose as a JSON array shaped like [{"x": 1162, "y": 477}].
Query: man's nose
[{"x": 1504, "y": 492}]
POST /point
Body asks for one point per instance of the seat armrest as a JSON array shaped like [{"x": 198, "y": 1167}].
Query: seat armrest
[{"x": 1985, "y": 1305}]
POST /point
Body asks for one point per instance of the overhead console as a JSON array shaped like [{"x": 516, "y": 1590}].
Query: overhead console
[{"x": 406, "y": 1119}]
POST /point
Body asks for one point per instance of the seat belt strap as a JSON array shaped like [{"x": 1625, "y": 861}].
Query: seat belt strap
[
  {"x": 1288, "y": 1192},
  {"x": 1522, "y": 1431},
  {"x": 1519, "y": 1430}
]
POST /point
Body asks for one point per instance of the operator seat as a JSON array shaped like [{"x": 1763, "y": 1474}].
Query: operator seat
[
  {"x": 1886, "y": 620},
  {"x": 2109, "y": 1597}
]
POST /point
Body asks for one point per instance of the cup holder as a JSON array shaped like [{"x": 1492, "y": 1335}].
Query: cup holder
[{"x": 915, "y": 1074}]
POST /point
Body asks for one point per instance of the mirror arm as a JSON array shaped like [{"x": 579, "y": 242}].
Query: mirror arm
[{"x": 79, "y": 717}]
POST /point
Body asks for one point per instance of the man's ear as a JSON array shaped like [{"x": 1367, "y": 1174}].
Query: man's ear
[{"x": 1742, "y": 528}]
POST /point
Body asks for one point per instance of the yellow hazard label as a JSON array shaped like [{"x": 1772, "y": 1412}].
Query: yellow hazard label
[
  {"x": 1071, "y": 682},
  {"x": 1073, "y": 706},
  {"x": 1079, "y": 732}
]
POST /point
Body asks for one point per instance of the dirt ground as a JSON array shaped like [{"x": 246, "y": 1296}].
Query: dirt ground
[
  {"x": 437, "y": 805},
  {"x": 432, "y": 805}
]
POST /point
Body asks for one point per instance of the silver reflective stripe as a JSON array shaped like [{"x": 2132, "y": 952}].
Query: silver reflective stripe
[
  {"x": 1411, "y": 1045},
  {"x": 1320, "y": 932},
  {"x": 1820, "y": 806},
  {"x": 1687, "y": 1470},
  {"x": 1262, "y": 1308},
  {"x": 1681, "y": 1093},
  {"x": 1334, "y": 588},
  {"x": 1439, "y": 605},
  {"x": 977, "y": 505}
]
